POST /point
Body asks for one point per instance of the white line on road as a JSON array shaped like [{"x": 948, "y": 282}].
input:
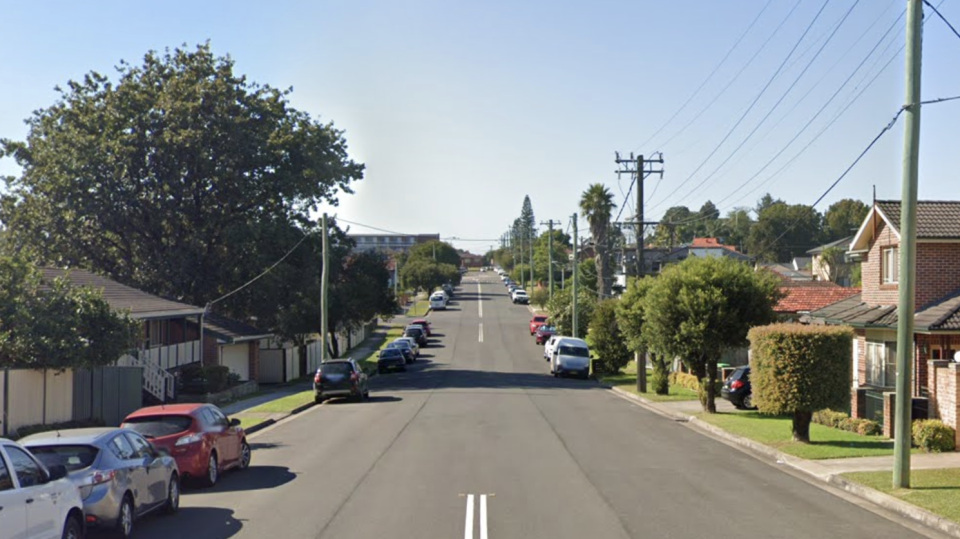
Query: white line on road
[
  {"x": 483, "y": 516},
  {"x": 481, "y": 331},
  {"x": 468, "y": 524},
  {"x": 479, "y": 299}
]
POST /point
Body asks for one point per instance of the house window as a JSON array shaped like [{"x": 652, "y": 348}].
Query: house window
[
  {"x": 158, "y": 332},
  {"x": 881, "y": 364},
  {"x": 890, "y": 265}
]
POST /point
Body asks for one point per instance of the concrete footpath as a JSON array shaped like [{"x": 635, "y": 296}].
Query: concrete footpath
[{"x": 827, "y": 471}]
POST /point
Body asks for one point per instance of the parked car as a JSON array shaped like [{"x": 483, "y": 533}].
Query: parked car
[
  {"x": 570, "y": 356},
  {"x": 425, "y": 323},
  {"x": 511, "y": 289},
  {"x": 418, "y": 333},
  {"x": 736, "y": 388},
  {"x": 406, "y": 343},
  {"x": 448, "y": 288},
  {"x": 537, "y": 321},
  {"x": 27, "y": 487},
  {"x": 405, "y": 350},
  {"x": 520, "y": 296},
  {"x": 438, "y": 303},
  {"x": 199, "y": 436},
  {"x": 544, "y": 332},
  {"x": 551, "y": 344},
  {"x": 120, "y": 475},
  {"x": 340, "y": 378},
  {"x": 391, "y": 358}
]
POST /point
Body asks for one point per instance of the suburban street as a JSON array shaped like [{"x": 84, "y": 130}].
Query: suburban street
[{"x": 478, "y": 432}]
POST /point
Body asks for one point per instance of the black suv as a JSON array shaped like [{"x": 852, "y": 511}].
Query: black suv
[
  {"x": 340, "y": 378},
  {"x": 736, "y": 388}
]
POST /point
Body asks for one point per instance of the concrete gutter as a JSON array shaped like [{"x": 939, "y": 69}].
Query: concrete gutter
[{"x": 806, "y": 467}]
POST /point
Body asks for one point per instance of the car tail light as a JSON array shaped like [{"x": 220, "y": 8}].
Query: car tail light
[
  {"x": 736, "y": 384},
  {"x": 317, "y": 378},
  {"x": 95, "y": 478},
  {"x": 189, "y": 439},
  {"x": 354, "y": 377}
]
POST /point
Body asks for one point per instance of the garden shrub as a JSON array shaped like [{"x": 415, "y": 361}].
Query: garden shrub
[
  {"x": 933, "y": 436},
  {"x": 798, "y": 369},
  {"x": 829, "y": 418},
  {"x": 685, "y": 379},
  {"x": 205, "y": 379},
  {"x": 869, "y": 427}
]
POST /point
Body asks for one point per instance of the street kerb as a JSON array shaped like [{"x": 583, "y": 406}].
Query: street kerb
[{"x": 803, "y": 466}]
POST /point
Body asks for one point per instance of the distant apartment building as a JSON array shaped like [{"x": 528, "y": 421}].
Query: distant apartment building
[{"x": 390, "y": 242}]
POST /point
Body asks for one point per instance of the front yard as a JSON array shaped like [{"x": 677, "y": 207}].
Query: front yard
[
  {"x": 627, "y": 381},
  {"x": 937, "y": 491}
]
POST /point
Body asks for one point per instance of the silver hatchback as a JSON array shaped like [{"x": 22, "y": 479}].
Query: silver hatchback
[{"x": 121, "y": 475}]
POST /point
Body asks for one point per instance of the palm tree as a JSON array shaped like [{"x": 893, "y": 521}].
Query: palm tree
[{"x": 596, "y": 205}]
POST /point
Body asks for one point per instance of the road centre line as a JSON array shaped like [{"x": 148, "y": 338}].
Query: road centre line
[
  {"x": 468, "y": 523},
  {"x": 481, "y": 331}
]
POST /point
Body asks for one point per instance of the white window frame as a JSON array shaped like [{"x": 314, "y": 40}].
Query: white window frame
[
  {"x": 890, "y": 265},
  {"x": 881, "y": 359}
]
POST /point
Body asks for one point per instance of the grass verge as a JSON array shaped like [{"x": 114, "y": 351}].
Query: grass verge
[
  {"x": 627, "y": 381},
  {"x": 776, "y": 432},
  {"x": 937, "y": 491},
  {"x": 248, "y": 421},
  {"x": 285, "y": 404},
  {"x": 369, "y": 364},
  {"x": 419, "y": 308}
]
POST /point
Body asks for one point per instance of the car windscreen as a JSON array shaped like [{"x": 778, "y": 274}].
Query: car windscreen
[
  {"x": 577, "y": 351},
  {"x": 400, "y": 344},
  {"x": 390, "y": 352},
  {"x": 336, "y": 368},
  {"x": 74, "y": 457},
  {"x": 547, "y": 329},
  {"x": 155, "y": 426},
  {"x": 412, "y": 332}
]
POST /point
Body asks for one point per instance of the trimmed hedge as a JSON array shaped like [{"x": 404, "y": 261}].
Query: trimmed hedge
[
  {"x": 933, "y": 436},
  {"x": 685, "y": 379},
  {"x": 206, "y": 379},
  {"x": 840, "y": 420}
]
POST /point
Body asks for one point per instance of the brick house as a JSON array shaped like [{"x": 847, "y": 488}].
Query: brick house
[{"x": 873, "y": 313}]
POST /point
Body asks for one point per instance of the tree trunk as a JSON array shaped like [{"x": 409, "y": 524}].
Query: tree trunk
[
  {"x": 699, "y": 369},
  {"x": 711, "y": 385},
  {"x": 661, "y": 375},
  {"x": 801, "y": 426},
  {"x": 641, "y": 358},
  {"x": 334, "y": 345}
]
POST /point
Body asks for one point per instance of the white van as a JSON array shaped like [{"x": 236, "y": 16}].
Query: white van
[
  {"x": 438, "y": 302},
  {"x": 570, "y": 356},
  {"x": 550, "y": 345}
]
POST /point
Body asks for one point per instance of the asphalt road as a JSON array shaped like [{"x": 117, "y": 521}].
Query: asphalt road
[{"x": 478, "y": 432}]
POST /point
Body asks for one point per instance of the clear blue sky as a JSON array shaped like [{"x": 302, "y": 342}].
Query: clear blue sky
[{"x": 459, "y": 109}]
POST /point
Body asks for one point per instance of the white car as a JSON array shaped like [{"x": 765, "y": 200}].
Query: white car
[
  {"x": 551, "y": 344},
  {"x": 36, "y": 503},
  {"x": 438, "y": 302},
  {"x": 570, "y": 356},
  {"x": 520, "y": 296}
]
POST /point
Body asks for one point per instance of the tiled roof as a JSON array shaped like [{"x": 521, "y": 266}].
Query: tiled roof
[
  {"x": 941, "y": 315},
  {"x": 801, "y": 298},
  {"x": 936, "y": 219},
  {"x": 232, "y": 330},
  {"x": 141, "y": 305}
]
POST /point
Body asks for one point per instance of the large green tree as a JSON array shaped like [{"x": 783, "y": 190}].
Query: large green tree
[
  {"x": 674, "y": 227},
  {"x": 843, "y": 218},
  {"x": 630, "y": 316},
  {"x": 56, "y": 325},
  {"x": 607, "y": 342},
  {"x": 560, "y": 309},
  {"x": 172, "y": 177},
  {"x": 697, "y": 309},
  {"x": 596, "y": 205},
  {"x": 783, "y": 232},
  {"x": 735, "y": 228}
]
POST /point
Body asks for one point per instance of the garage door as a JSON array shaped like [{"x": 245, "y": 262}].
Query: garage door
[{"x": 235, "y": 356}]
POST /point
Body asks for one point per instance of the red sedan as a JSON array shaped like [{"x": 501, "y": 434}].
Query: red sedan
[
  {"x": 536, "y": 322},
  {"x": 425, "y": 323},
  {"x": 199, "y": 436}
]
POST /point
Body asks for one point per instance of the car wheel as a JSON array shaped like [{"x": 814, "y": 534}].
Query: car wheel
[
  {"x": 213, "y": 470},
  {"x": 246, "y": 455},
  {"x": 379, "y": 370},
  {"x": 72, "y": 529},
  {"x": 173, "y": 496},
  {"x": 748, "y": 401},
  {"x": 317, "y": 399},
  {"x": 124, "y": 527}
]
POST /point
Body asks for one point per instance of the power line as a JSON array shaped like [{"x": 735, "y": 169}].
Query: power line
[
  {"x": 942, "y": 18},
  {"x": 707, "y": 79},
  {"x": 777, "y": 104},
  {"x": 734, "y": 79},
  {"x": 750, "y": 107}
]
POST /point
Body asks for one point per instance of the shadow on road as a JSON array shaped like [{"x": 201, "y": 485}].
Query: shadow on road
[
  {"x": 261, "y": 446},
  {"x": 205, "y": 522},
  {"x": 254, "y": 478},
  {"x": 434, "y": 376}
]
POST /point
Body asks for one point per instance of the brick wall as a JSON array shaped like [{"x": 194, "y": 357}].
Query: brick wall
[
  {"x": 947, "y": 380},
  {"x": 211, "y": 351},
  {"x": 874, "y": 292},
  {"x": 938, "y": 271}
]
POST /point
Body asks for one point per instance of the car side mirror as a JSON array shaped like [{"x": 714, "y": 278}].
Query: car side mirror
[
  {"x": 57, "y": 471},
  {"x": 234, "y": 422}
]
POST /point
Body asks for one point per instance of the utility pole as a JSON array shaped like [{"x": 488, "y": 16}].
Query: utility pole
[
  {"x": 908, "y": 247},
  {"x": 637, "y": 167},
  {"x": 533, "y": 234},
  {"x": 550, "y": 224},
  {"x": 324, "y": 290},
  {"x": 575, "y": 281}
]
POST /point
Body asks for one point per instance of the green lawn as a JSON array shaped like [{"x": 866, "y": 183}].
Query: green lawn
[
  {"x": 627, "y": 381},
  {"x": 937, "y": 491},
  {"x": 419, "y": 307},
  {"x": 285, "y": 404},
  {"x": 248, "y": 421},
  {"x": 826, "y": 442}
]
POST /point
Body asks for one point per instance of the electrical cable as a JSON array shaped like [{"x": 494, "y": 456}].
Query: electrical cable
[
  {"x": 736, "y": 76},
  {"x": 751, "y": 106},
  {"x": 707, "y": 79},
  {"x": 942, "y": 18}
]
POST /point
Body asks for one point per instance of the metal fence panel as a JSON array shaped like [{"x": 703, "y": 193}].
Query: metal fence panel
[{"x": 107, "y": 393}]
